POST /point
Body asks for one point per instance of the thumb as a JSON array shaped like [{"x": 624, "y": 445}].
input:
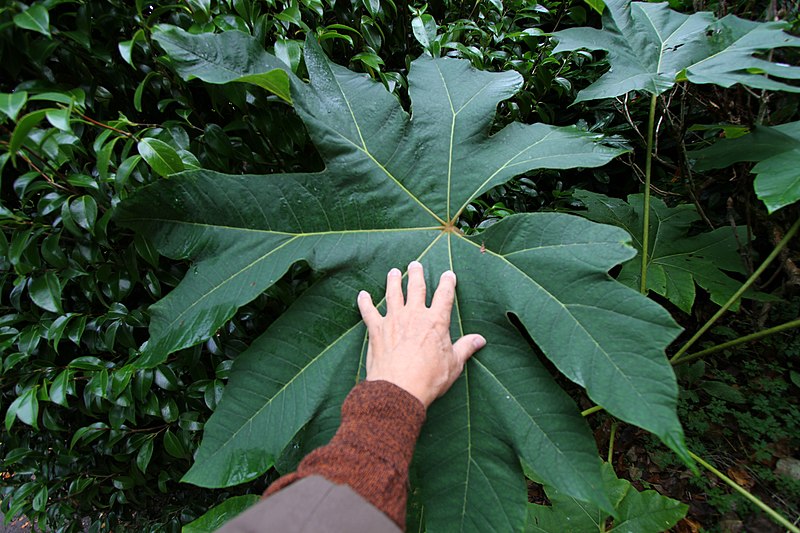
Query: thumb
[{"x": 467, "y": 345}]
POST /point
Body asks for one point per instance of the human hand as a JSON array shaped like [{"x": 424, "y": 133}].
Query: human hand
[{"x": 411, "y": 346}]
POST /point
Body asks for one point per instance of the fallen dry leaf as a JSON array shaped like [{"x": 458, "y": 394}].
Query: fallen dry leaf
[{"x": 741, "y": 477}]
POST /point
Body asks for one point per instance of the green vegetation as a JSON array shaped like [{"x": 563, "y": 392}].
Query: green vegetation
[{"x": 192, "y": 194}]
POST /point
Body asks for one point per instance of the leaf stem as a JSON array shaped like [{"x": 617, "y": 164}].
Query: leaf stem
[
  {"x": 591, "y": 410},
  {"x": 106, "y": 126},
  {"x": 741, "y": 340},
  {"x": 611, "y": 441},
  {"x": 648, "y": 166},
  {"x": 775, "y": 252},
  {"x": 761, "y": 505}
]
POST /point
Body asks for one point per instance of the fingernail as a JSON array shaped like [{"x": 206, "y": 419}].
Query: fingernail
[
  {"x": 478, "y": 342},
  {"x": 363, "y": 294},
  {"x": 414, "y": 264},
  {"x": 449, "y": 273},
  {"x": 394, "y": 272}
]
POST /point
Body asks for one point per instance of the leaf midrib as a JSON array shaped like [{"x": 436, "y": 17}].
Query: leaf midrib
[
  {"x": 663, "y": 40},
  {"x": 366, "y": 151},
  {"x": 264, "y": 257}
]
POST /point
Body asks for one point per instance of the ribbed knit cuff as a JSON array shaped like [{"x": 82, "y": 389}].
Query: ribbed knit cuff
[{"x": 385, "y": 416}]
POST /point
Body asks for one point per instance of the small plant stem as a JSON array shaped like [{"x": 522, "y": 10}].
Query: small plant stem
[
  {"x": 761, "y": 505},
  {"x": 775, "y": 252},
  {"x": 648, "y": 167},
  {"x": 740, "y": 340},
  {"x": 611, "y": 441},
  {"x": 591, "y": 410},
  {"x": 106, "y": 126}
]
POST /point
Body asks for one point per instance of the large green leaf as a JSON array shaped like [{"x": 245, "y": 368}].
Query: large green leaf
[
  {"x": 391, "y": 192},
  {"x": 777, "y": 151},
  {"x": 650, "y": 47},
  {"x": 639, "y": 512},
  {"x": 223, "y": 58},
  {"x": 677, "y": 259}
]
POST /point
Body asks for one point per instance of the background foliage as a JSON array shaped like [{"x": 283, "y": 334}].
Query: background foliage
[{"x": 92, "y": 111}]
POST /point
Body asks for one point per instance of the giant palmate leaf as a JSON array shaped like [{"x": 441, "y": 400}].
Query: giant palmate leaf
[
  {"x": 650, "y": 47},
  {"x": 392, "y": 189},
  {"x": 678, "y": 258},
  {"x": 777, "y": 151}
]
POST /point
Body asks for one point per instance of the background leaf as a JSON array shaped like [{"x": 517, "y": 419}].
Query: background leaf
[
  {"x": 45, "y": 291},
  {"x": 223, "y": 58},
  {"x": 161, "y": 157},
  {"x": 12, "y": 103},
  {"x": 640, "y": 512},
  {"x": 650, "y": 45},
  {"x": 678, "y": 259},
  {"x": 25, "y": 407},
  {"x": 35, "y": 18},
  {"x": 777, "y": 151},
  {"x": 219, "y": 514}
]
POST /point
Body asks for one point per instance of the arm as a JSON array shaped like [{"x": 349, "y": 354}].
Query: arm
[
  {"x": 411, "y": 361},
  {"x": 371, "y": 450}
]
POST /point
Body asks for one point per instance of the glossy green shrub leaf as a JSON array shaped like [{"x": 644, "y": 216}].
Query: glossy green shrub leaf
[
  {"x": 391, "y": 192},
  {"x": 83, "y": 211},
  {"x": 173, "y": 445},
  {"x": 12, "y": 103},
  {"x": 45, "y": 291},
  {"x": 126, "y": 168},
  {"x": 40, "y": 500},
  {"x": 73, "y": 96},
  {"x": 35, "y": 18},
  {"x": 25, "y": 407},
  {"x": 57, "y": 329},
  {"x": 219, "y": 514},
  {"x": 223, "y": 58},
  {"x": 88, "y": 433},
  {"x": 126, "y": 47},
  {"x": 213, "y": 393},
  {"x": 161, "y": 157},
  {"x": 635, "y": 512},
  {"x": 60, "y": 388},
  {"x": 166, "y": 378},
  {"x": 24, "y": 126},
  {"x": 144, "y": 455},
  {"x": 59, "y": 118},
  {"x": 87, "y": 362},
  {"x": 597, "y": 5},
  {"x": 651, "y": 47},
  {"x": 678, "y": 259},
  {"x": 776, "y": 150},
  {"x": 98, "y": 384},
  {"x": 424, "y": 29},
  {"x": 52, "y": 252}
]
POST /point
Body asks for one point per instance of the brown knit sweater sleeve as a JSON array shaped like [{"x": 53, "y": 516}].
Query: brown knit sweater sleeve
[{"x": 372, "y": 449}]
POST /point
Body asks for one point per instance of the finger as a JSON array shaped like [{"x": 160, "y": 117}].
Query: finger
[
  {"x": 367, "y": 309},
  {"x": 394, "y": 291},
  {"x": 467, "y": 345},
  {"x": 442, "y": 302},
  {"x": 416, "y": 285}
]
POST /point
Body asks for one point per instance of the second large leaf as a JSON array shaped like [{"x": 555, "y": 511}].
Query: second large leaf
[{"x": 392, "y": 190}]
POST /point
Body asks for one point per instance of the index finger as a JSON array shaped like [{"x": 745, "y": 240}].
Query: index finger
[{"x": 442, "y": 302}]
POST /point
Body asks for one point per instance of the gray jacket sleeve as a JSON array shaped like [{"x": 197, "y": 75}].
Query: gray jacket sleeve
[{"x": 312, "y": 504}]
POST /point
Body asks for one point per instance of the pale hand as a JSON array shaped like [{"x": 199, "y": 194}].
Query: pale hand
[{"x": 411, "y": 346}]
